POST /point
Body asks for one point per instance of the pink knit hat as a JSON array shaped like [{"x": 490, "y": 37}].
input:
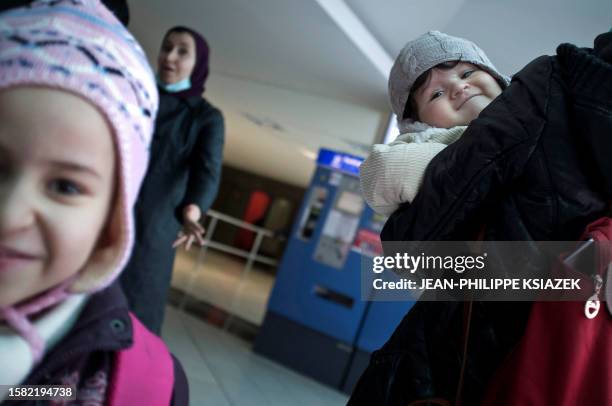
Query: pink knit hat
[{"x": 80, "y": 47}]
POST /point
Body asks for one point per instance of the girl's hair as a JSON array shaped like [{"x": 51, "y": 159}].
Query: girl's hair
[{"x": 411, "y": 110}]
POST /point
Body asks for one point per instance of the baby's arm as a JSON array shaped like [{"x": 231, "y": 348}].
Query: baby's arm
[{"x": 392, "y": 174}]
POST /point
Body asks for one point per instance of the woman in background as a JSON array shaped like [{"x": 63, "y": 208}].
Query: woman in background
[{"x": 183, "y": 176}]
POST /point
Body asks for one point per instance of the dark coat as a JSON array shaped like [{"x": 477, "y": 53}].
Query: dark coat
[
  {"x": 534, "y": 166},
  {"x": 184, "y": 168},
  {"x": 85, "y": 356}
]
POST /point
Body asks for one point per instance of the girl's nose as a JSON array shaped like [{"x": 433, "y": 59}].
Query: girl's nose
[{"x": 16, "y": 209}]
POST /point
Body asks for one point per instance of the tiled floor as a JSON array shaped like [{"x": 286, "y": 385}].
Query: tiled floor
[
  {"x": 220, "y": 280},
  {"x": 223, "y": 370}
]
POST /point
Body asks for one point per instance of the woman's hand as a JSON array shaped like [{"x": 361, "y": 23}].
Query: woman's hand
[{"x": 192, "y": 229}]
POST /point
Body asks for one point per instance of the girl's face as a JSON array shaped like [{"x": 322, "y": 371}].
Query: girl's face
[
  {"x": 57, "y": 175},
  {"x": 177, "y": 57},
  {"x": 455, "y": 96}
]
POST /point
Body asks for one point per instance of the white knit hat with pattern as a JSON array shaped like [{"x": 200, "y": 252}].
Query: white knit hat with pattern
[{"x": 422, "y": 54}]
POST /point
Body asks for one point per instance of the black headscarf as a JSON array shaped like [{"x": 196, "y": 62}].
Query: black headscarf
[{"x": 200, "y": 69}]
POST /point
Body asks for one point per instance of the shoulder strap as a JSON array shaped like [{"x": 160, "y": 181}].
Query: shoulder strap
[{"x": 143, "y": 374}]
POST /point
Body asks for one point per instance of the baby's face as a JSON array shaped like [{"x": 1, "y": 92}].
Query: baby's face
[
  {"x": 455, "y": 96},
  {"x": 57, "y": 167}
]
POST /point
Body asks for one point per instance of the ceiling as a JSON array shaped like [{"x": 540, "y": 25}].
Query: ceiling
[{"x": 294, "y": 75}]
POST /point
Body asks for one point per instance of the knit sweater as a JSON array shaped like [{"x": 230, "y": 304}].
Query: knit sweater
[{"x": 392, "y": 174}]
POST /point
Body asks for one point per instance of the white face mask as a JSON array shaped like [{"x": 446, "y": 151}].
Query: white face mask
[{"x": 175, "y": 87}]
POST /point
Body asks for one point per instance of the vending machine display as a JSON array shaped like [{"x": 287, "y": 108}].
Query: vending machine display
[
  {"x": 312, "y": 213},
  {"x": 340, "y": 224}
]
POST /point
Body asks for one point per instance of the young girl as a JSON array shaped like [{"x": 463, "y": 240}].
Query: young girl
[
  {"x": 77, "y": 104},
  {"x": 437, "y": 86}
]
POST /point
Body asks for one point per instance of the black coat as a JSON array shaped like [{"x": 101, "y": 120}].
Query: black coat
[
  {"x": 88, "y": 350},
  {"x": 184, "y": 168},
  {"x": 534, "y": 166}
]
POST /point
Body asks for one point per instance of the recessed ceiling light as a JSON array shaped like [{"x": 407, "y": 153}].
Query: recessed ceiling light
[{"x": 308, "y": 154}]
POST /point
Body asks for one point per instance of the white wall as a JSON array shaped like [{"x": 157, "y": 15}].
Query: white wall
[{"x": 307, "y": 121}]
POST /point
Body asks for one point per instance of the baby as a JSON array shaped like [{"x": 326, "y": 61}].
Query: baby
[
  {"x": 437, "y": 86},
  {"x": 77, "y": 106},
  {"x": 534, "y": 166}
]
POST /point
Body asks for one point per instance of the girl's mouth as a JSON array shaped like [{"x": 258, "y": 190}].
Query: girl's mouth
[{"x": 13, "y": 259}]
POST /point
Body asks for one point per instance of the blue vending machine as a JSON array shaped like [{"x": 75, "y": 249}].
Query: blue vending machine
[{"x": 316, "y": 322}]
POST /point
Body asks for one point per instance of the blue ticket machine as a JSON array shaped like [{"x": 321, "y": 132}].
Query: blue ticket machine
[{"x": 316, "y": 321}]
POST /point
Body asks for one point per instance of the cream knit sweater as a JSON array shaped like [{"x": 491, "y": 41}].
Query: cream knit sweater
[{"x": 392, "y": 174}]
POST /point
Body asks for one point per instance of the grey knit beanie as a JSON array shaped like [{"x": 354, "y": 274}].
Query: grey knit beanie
[{"x": 422, "y": 54}]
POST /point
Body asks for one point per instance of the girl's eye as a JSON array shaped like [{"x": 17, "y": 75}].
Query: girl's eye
[
  {"x": 467, "y": 74},
  {"x": 436, "y": 94},
  {"x": 65, "y": 187},
  {"x": 183, "y": 52}
]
